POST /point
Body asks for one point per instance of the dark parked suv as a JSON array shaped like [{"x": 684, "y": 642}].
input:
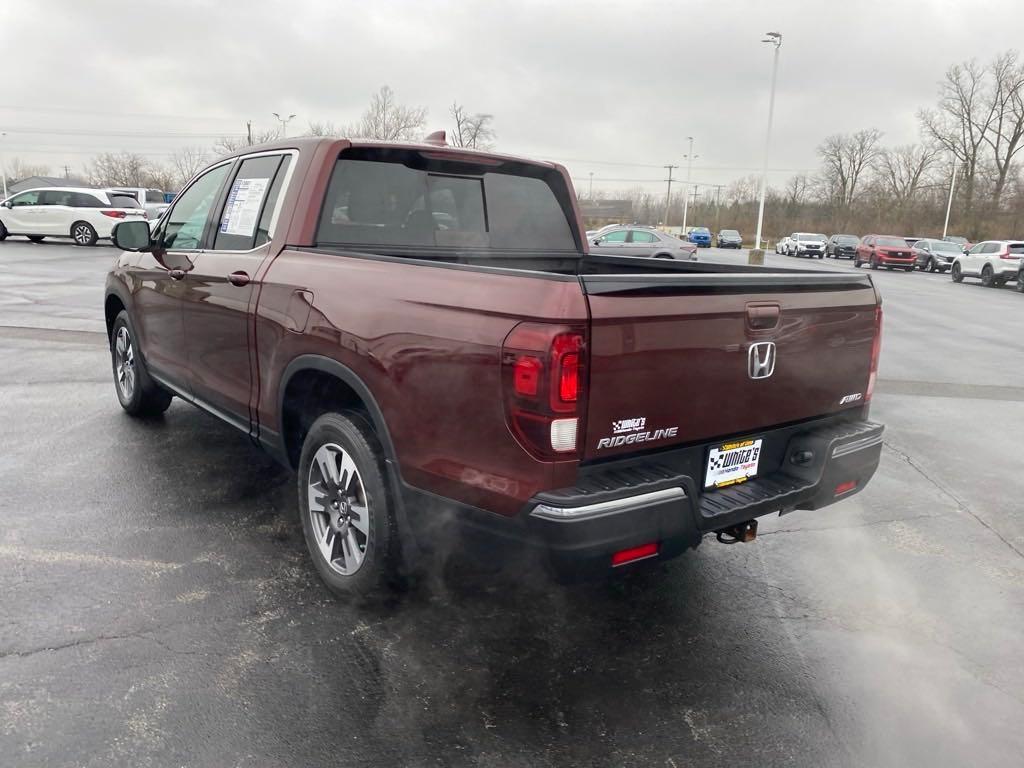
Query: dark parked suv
[
  {"x": 842, "y": 246},
  {"x": 421, "y": 335}
]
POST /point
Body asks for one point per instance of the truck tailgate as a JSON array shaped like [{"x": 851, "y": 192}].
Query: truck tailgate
[{"x": 671, "y": 360}]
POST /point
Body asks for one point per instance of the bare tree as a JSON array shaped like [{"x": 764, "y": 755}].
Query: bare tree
[
  {"x": 845, "y": 157},
  {"x": 472, "y": 131},
  {"x": 1005, "y": 137},
  {"x": 225, "y": 145},
  {"x": 961, "y": 121},
  {"x": 186, "y": 163},
  {"x": 324, "y": 128},
  {"x": 17, "y": 169},
  {"x": 903, "y": 170},
  {"x": 120, "y": 169},
  {"x": 389, "y": 120}
]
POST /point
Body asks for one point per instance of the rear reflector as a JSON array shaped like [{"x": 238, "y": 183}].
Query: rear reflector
[
  {"x": 846, "y": 487},
  {"x": 563, "y": 435},
  {"x": 114, "y": 214},
  {"x": 635, "y": 553},
  {"x": 526, "y": 375}
]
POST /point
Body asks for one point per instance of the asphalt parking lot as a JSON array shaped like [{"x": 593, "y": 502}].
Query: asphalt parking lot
[{"x": 157, "y": 606}]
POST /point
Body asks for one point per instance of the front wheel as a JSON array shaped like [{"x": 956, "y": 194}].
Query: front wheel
[
  {"x": 957, "y": 273},
  {"x": 1020, "y": 282},
  {"x": 83, "y": 233},
  {"x": 987, "y": 277},
  {"x": 138, "y": 394},
  {"x": 346, "y": 512},
  {"x": 874, "y": 263}
]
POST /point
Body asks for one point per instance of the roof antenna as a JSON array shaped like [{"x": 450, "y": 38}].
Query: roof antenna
[{"x": 438, "y": 138}]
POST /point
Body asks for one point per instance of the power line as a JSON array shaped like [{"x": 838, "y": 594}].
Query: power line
[
  {"x": 119, "y": 133},
  {"x": 108, "y": 113}
]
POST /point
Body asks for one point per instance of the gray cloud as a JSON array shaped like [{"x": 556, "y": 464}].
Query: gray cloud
[{"x": 582, "y": 82}]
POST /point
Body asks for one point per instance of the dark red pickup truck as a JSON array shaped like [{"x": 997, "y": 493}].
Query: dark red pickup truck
[{"x": 420, "y": 332}]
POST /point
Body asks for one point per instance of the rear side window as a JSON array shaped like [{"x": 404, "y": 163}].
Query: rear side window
[
  {"x": 123, "y": 201},
  {"x": 85, "y": 200},
  {"x": 412, "y": 200},
  {"x": 643, "y": 237},
  {"x": 248, "y": 209}
]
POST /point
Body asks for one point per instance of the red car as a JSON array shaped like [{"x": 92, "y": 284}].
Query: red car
[{"x": 884, "y": 251}]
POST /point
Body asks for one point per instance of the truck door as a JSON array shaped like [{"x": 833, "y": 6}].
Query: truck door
[{"x": 221, "y": 288}]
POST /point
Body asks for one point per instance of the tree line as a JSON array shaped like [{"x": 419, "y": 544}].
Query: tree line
[
  {"x": 384, "y": 118},
  {"x": 975, "y": 129}
]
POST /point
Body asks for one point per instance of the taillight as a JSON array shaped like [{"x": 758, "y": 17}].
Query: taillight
[
  {"x": 1007, "y": 255},
  {"x": 543, "y": 383},
  {"x": 876, "y": 351},
  {"x": 114, "y": 214}
]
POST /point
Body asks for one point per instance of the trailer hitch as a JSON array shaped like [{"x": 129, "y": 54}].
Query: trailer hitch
[{"x": 741, "y": 532}]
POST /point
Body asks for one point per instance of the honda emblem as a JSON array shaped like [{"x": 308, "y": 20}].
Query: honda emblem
[{"x": 761, "y": 360}]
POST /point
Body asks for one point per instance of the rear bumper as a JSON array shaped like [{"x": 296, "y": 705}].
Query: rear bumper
[{"x": 660, "y": 500}]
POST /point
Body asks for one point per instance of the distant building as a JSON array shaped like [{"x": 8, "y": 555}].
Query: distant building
[
  {"x": 598, "y": 213},
  {"x": 34, "y": 182}
]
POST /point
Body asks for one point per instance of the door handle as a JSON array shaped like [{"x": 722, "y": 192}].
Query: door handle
[
  {"x": 239, "y": 278},
  {"x": 176, "y": 274}
]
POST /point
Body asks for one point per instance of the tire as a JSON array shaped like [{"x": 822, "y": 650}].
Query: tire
[
  {"x": 1020, "y": 282},
  {"x": 35, "y": 238},
  {"x": 874, "y": 263},
  {"x": 3, "y": 232},
  {"x": 661, "y": 256},
  {"x": 82, "y": 233},
  {"x": 987, "y": 277},
  {"x": 856, "y": 263},
  {"x": 932, "y": 266},
  {"x": 138, "y": 394},
  {"x": 342, "y": 471},
  {"x": 957, "y": 274},
  {"x": 908, "y": 269},
  {"x": 821, "y": 255}
]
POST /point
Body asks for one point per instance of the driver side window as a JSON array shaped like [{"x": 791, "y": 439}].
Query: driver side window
[
  {"x": 26, "y": 198},
  {"x": 185, "y": 223},
  {"x": 615, "y": 237}
]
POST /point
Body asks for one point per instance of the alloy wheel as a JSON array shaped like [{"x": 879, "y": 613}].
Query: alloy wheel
[
  {"x": 338, "y": 510},
  {"x": 82, "y": 234},
  {"x": 124, "y": 362}
]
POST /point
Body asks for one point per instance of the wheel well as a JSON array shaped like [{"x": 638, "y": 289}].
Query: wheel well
[
  {"x": 111, "y": 309},
  {"x": 309, "y": 394}
]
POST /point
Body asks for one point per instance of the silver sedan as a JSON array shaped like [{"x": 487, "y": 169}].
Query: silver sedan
[{"x": 642, "y": 241}]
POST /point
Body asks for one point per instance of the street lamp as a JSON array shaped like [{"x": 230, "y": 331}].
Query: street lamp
[
  {"x": 690, "y": 157},
  {"x": 3, "y": 166},
  {"x": 775, "y": 38},
  {"x": 284, "y": 123}
]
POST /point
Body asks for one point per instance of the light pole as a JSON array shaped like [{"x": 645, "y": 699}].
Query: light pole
[
  {"x": 3, "y": 165},
  {"x": 591, "y": 186},
  {"x": 690, "y": 157},
  {"x": 284, "y": 123},
  {"x": 668, "y": 195},
  {"x": 949, "y": 203},
  {"x": 775, "y": 38}
]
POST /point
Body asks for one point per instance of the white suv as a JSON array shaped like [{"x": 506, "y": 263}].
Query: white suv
[
  {"x": 995, "y": 261},
  {"x": 84, "y": 215},
  {"x": 804, "y": 244}
]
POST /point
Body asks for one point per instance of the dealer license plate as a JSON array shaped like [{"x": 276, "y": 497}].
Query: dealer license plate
[{"x": 732, "y": 463}]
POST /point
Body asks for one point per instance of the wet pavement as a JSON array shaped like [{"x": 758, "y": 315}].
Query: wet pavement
[{"x": 157, "y": 606}]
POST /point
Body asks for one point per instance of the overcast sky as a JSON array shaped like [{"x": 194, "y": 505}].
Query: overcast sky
[{"x": 611, "y": 89}]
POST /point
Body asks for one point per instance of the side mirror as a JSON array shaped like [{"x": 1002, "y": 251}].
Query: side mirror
[
  {"x": 8, "y": 204},
  {"x": 598, "y": 241},
  {"x": 132, "y": 236}
]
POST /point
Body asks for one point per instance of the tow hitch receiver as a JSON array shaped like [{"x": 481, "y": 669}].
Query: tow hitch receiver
[{"x": 741, "y": 532}]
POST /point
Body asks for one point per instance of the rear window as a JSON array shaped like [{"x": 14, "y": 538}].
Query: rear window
[
  {"x": 401, "y": 198},
  {"x": 154, "y": 196},
  {"x": 123, "y": 201},
  {"x": 1017, "y": 248}
]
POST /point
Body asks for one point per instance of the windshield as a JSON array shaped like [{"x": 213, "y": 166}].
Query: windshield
[
  {"x": 891, "y": 242},
  {"x": 730, "y": 233},
  {"x": 944, "y": 247},
  {"x": 386, "y": 198}
]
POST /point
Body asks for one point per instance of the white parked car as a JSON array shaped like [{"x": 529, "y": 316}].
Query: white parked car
[
  {"x": 152, "y": 200},
  {"x": 995, "y": 261},
  {"x": 84, "y": 215},
  {"x": 806, "y": 244},
  {"x": 782, "y": 246}
]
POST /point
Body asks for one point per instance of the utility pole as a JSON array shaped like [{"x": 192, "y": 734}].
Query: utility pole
[
  {"x": 775, "y": 38},
  {"x": 718, "y": 209},
  {"x": 668, "y": 195},
  {"x": 591, "y": 186},
  {"x": 248, "y": 131},
  {"x": 284, "y": 123},
  {"x": 3, "y": 166},
  {"x": 67, "y": 172},
  {"x": 949, "y": 203},
  {"x": 689, "y": 168}
]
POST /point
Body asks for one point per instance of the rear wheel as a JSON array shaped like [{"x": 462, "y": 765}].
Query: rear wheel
[
  {"x": 35, "y": 238},
  {"x": 138, "y": 394},
  {"x": 3, "y": 232},
  {"x": 987, "y": 277},
  {"x": 345, "y": 508},
  {"x": 1020, "y": 282},
  {"x": 932, "y": 266},
  {"x": 83, "y": 233},
  {"x": 958, "y": 273}
]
